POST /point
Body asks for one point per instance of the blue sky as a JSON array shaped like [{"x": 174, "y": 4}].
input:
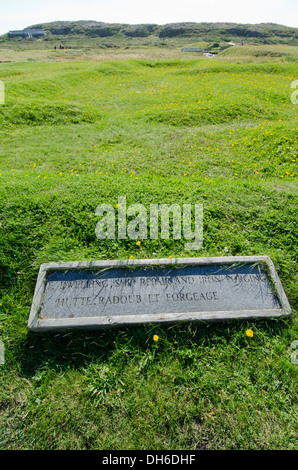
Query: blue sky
[{"x": 17, "y": 14}]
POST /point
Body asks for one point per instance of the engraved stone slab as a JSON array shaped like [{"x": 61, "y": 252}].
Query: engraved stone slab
[{"x": 106, "y": 293}]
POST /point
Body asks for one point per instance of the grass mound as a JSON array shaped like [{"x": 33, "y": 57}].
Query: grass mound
[{"x": 46, "y": 114}]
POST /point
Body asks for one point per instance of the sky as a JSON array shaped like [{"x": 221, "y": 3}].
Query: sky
[{"x": 18, "y": 14}]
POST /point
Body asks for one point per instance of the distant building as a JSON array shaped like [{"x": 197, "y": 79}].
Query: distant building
[{"x": 25, "y": 33}]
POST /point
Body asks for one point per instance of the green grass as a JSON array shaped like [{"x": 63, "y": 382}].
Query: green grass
[{"x": 78, "y": 134}]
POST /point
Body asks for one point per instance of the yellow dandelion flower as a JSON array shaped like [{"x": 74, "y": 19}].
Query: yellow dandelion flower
[
  {"x": 131, "y": 257},
  {"x": 155, "y": 338},
  {"x": 249, "y": 333},
  {"x": 138, "y": 242}
]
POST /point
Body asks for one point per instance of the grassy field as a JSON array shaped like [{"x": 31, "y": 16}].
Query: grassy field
[
  {"x": 78, "y": 133},
  {"x": 117, "y": 48}
]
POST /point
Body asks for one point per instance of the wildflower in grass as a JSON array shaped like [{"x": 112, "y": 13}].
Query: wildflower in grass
[
  {"x": 249, "y": 333},
  {"x": 131, "y": 257},
  {"x": 155, "y": 338},
  {"x": 138, "y": 242}
]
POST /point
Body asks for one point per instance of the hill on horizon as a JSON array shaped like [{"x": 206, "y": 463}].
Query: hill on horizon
[{"x": 263, "y": 33}]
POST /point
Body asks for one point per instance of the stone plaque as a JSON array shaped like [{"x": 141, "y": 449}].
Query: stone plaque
[{"x": 106, "y": 293}]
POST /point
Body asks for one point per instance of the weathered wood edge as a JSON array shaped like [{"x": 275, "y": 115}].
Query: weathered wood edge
[{"x": 37, "y": 324}]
